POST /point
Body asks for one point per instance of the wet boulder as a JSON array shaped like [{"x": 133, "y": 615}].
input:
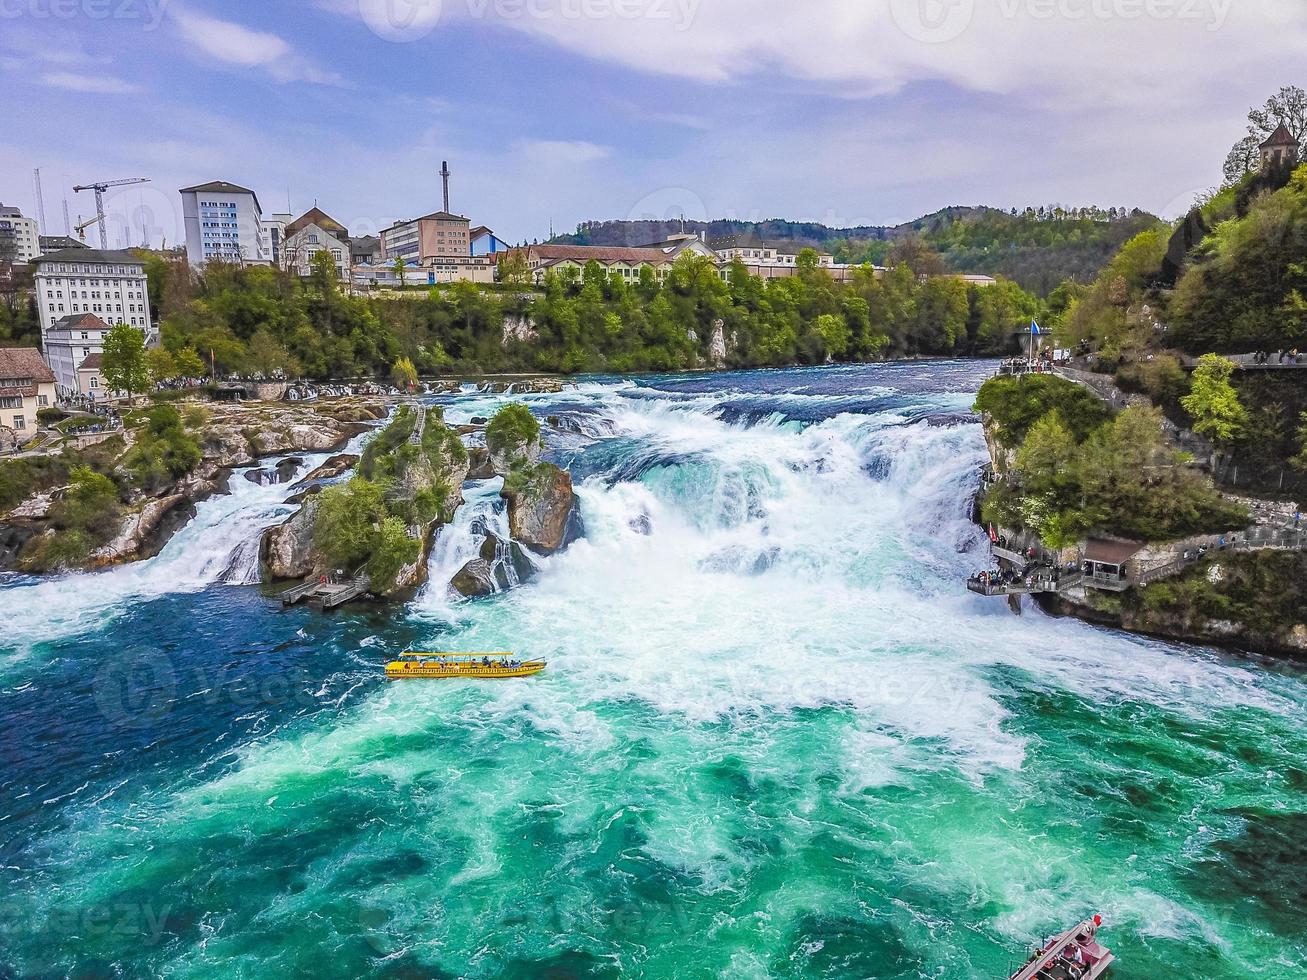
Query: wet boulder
[
  {"x": 287, "y": 551},
  {"x": 479, "y": 466},
  {"x": 541, "y": 507},
  {"x": 475, "y": 580}
]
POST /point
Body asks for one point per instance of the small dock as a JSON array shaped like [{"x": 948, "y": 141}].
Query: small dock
[{"x": 326, "y": 595}]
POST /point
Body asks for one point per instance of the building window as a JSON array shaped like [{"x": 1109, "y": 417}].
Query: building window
[{"x": 19, "y": 422}]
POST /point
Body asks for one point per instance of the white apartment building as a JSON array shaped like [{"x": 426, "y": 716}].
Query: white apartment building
[
  {"x": 22, "y": 232},
  {"x": 272, "y": 231},
  {"x": 76, "y": 281},
  {"x": 223, "y": 221}
]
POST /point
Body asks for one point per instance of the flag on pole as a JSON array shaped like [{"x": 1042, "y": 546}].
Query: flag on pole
[{"x": 1034, "y": 329}]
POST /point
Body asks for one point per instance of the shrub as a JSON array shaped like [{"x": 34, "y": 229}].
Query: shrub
[
  {"x": 164, "y": 450},
  {"x": 512, "y": 427},
  {"x": 1016, "y": 404}
]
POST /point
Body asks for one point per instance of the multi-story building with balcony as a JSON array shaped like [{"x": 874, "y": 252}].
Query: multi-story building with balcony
[{"x": 224, "y": 222}]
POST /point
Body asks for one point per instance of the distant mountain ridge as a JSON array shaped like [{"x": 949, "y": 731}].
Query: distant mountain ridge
[{"x": 1038, "y": 248}]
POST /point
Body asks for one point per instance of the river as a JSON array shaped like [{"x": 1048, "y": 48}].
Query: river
[{"x": 776, "y": 738}]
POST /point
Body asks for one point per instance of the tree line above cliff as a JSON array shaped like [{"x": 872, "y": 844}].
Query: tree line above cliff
[
  {"x": 1037, "y": 247},
  {"x": 260, "y": 320}
]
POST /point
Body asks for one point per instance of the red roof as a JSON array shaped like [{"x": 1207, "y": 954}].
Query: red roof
[
  {"x": 91, "y": 363},
  {"x": 599, "y": 253},
  {"x": 1281, "y": 137},
  {"x": 21, "y": 370},
  {"x": 80, "y": 321},
  {"x": 315, "y": 216}
]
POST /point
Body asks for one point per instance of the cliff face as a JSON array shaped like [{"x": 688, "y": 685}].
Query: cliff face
[
  {"x": 408, "y": 483},
  {"x": 148, "y": 514}
]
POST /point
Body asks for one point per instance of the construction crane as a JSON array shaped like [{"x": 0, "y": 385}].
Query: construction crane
[
  {"x": 100, "y": 187},
  {"x": 82, "y": 226}
]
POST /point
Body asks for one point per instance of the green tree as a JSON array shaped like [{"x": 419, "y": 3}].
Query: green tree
[
  {"x": 161, "y": 364},
  {"x": 123, "y": 365},
  {"x": 188, "y": 364},
  {"x": 513, "y": 268},
  {"x": 400, "y": 269},
  {"x": 404, "y": 374},
  {"x": 1213, "y": 403}
]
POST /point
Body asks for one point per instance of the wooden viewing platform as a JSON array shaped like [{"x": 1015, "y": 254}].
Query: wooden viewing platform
[{"x": 326, "y": 595}]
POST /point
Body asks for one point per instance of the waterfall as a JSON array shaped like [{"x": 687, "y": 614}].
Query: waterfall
[{"x": 220, "y": 545}]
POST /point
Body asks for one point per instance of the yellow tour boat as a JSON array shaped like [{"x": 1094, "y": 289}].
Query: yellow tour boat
[{"x": 433, "y": 665}]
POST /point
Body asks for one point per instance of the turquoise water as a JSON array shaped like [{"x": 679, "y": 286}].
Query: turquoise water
[{"x": 777, "y": 737}]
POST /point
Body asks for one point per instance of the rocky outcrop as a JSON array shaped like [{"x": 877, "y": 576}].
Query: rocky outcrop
[
  {"x": 500, "y": 565},
  {"x": 332, "y": 468},
  {"x": 717, "y": 346},
  {"x": 237, "y": 435},
  {"x": 480, "y": 466},
  {"x": 144, "y": 532},
  {"x": 504, "y": 459},
  {"x": 541, "y": 507},
  {"x": 287, "y": 550},
  {"x": 433, "y": 478},
  {"x": 475, "y": 580}
]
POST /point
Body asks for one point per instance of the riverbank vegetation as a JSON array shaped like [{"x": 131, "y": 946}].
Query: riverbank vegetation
[
  {"x": 1075, "y": 471},
  {"x": 261, "y": 320}
]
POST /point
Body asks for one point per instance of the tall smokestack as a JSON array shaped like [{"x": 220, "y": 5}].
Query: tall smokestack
[{"x": 444, "y": 176}]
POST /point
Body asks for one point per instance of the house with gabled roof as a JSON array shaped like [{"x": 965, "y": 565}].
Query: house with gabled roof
[{"x": 27, "y": 385}]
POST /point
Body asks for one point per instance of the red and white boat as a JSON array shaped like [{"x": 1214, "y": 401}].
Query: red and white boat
[{"x": 1074, "y": 955}]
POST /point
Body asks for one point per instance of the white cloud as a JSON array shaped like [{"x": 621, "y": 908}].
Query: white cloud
[
  {"x": 1067, "y": 52},
  {"x": 561, "y": 152},
  {"x": 235, "y": 44},
  {"x": 99, "y": 84}
]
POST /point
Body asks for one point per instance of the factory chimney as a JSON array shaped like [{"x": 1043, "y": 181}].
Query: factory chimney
[{"x": 444, "y": 176}]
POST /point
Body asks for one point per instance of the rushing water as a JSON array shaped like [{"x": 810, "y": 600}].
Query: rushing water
[{"x": 777, "y": 737}]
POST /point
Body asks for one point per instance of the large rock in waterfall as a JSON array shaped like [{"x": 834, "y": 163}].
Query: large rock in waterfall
[
  {"x": 287, "y": 551},
  {"x": 507, "y": 456},
  {"x": 423, "y": 478},
  {"x": 540, "y": 506},
  {"x": 475, "y": 579},
  {"x": 499, "y": 566},
  {"x": 480, "y": 466}
]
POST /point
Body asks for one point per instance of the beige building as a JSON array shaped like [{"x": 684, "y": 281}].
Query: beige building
[
  {"x": 623, "y": 261},
  {"x": 434, "y": 236},
  {"x": 20, "y": 238},
  {"x": 26, "y": 386},
  {"x": 90, "y": 382},
  {"x": 312, "y": 232}
]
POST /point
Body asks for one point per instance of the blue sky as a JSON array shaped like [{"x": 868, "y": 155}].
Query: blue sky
[{"x": 843, "y": 111}]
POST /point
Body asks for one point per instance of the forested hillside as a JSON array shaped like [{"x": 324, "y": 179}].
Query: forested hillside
[{"x": 1037, "y": 248}]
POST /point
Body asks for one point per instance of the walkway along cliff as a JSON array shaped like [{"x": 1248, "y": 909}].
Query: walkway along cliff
[{"x": 1059, "y": 505}]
